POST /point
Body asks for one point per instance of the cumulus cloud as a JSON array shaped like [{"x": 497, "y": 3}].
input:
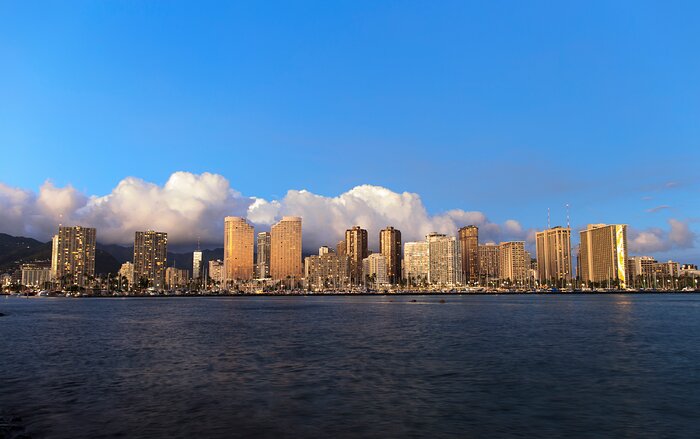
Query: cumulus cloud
[
  {"x": 191, "y": 206},
  {"x": 678, "y": 236},
  {"x": 325, "y": 219}
]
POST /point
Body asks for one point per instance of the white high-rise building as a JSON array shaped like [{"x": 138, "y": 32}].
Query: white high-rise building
[
  {"x": 445, "y": 260},
  {"x": 416, "y": 263},
  {"x": 374, "y": 269},
  {"x": 197, "y": 264}
]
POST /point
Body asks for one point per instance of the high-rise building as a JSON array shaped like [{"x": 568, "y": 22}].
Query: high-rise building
[
  {"x": 54, "y": 257},
  {"x": 150, "y": 258},
  {"x": 553, "y": 249},
  {"x": 36, "y": 275},
  {"x": 263, "y": 262},
  {"x": 374, "y": 269},
  {"x": 216, "y": 272},
  {"x": 238, "y": 249},
  {"x": 512, "y": 261},
  {"x": 416, "y": 263},
  {"x": 445, "y": 260},
  {"x": 176, "y": 277},
  {"x": 356, "y": 249},
  {"x": 285, "y": 249},
  {"x": 327, "y": 270},
  {"x": 196, "y": 264},
  {"x": 127, "y": 271},
  {"x": 75, "y": 255},
  {"x": 489, "y": 258},
  {"x": 603, "y": 254},
  {"x": 390, "y": 248},
  {"x": 469, "y": 248}
]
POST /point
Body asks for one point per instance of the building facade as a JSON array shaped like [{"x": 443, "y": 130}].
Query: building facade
[
  {"x": 512, "y": 262},
  {"x": 327, "y": 270},
  {"x": 263, "y": 262},
  {"x": 416, "y": 263},
  {"x": 36, "y": 275},
  {"x": 445, "y": 268},
  {"x": 196, "y": 264},
  {"x": 150, "y": 259},
  {"x": 489, "y": 266},
  {"x": 356, "y": 249},
  {"x": 390, "y": 248},
  {"x": 469, "y": 248},
  {"x": 553, "y": 250},
  {"x": 374, "y": 270},
  {"x": 75, "y": 255},
  {"x": 238, "y": 250},
  {"x": 176, "y": 277},
  {"x": 603, "y": 255},
  {"x": 216, "y": 272},
  {"x": 285, "y": 249}
]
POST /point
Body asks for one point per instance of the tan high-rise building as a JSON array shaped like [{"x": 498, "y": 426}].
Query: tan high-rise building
[
  {"x": 603, "y": 254},
  {"x": 390, "y": 248},
  {"x": 327, "y": 270},
  {"x": 489, "y": 262},
  {"x": 263, "y": 265},
  {"x": 150, "y": 258},
  {"x": 75, "y": 255},
  {"x": 416, "y": 263},
  {"x": 285, "y": 249},
  {"x": 554, "y": 255},
  {"x": 239, "y": 240},
  {"x": 356, "y": 249},
  {"x": 512, "y": 263},
  {"x": 469, "y": 247},
  {"x": 445, "y": 260}
]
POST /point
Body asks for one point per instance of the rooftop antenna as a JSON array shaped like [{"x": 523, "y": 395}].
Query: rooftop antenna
[
  {"x": 198, "y": 249},
  {"x": 568, "y": 222},
  {"x": 548, "y": 226}
]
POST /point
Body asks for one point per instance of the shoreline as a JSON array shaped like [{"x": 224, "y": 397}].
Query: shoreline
[{"x": 366, "y": 294}]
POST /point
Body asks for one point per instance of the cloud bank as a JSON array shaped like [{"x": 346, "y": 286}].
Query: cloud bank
[
  {"x": 679, "y": 236},
  {"x": 192, "y": 206}
]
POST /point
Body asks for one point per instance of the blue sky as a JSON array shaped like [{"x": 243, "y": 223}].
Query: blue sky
[{"x": 504, "y": 107}]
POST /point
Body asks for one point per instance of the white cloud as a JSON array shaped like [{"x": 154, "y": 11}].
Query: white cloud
[
  {"x": 679, "y": 236},
  {"x": 189, "y": 206}
]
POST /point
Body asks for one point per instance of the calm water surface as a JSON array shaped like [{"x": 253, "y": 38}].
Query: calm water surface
[{"x": 480, "y": 366}]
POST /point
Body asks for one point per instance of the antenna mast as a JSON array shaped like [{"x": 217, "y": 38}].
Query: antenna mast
[
  {"x": 548, "y": 226},
  {"x": 568, "y": 222}
]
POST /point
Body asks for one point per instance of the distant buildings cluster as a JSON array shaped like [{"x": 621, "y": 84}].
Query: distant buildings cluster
[{"x": 439, "y": 261}]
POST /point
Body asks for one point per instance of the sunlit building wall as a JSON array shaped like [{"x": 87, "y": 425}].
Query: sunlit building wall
[
  {"x": 238, "y": 249},
  {"x": 603, "y": 253},
  {"x": 285, "y": 249},
  {"x": 553, "y": 250}
]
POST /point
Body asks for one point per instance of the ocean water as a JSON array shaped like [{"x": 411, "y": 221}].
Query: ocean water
[{"x": 474, "y": 366}]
